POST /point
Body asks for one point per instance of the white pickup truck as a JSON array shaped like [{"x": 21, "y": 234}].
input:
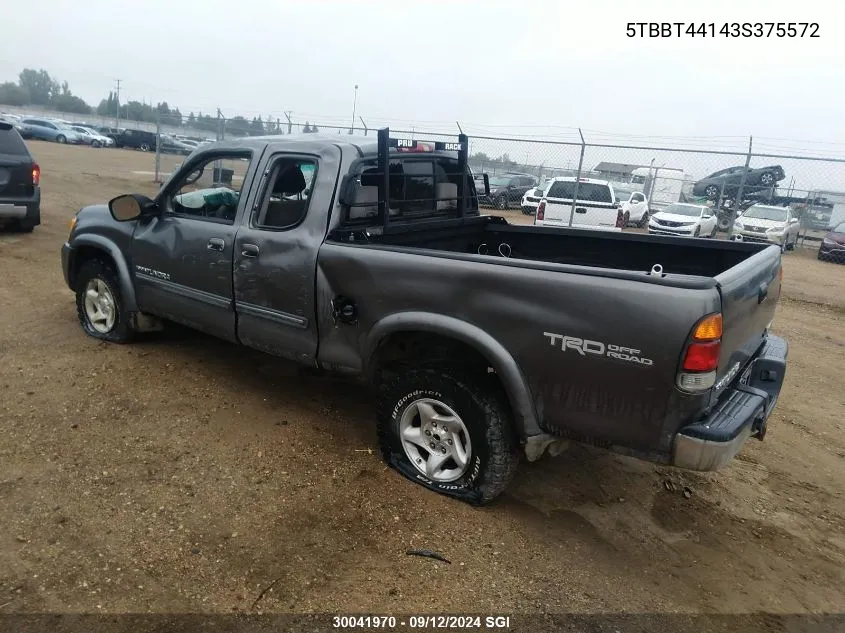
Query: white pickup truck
[{"x": 595, "y": 205}]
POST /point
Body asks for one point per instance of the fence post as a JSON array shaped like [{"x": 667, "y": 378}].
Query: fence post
[
  {"x": 738, "y": 196},
  {"x": 365, "y": 125},
  {"x": 158, "y": 147},
  {"x": 577, "y": 177}
]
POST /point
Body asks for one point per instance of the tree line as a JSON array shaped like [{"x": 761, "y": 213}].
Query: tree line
[{"x": 38, "y": 88}]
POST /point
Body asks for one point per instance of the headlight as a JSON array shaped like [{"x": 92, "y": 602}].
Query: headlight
[
  {"x": 72, "y": 223},
  {"x": 739, "y": 226},
  {"x": 828, "y": 242},
  {"x": 776, "y": 230}
]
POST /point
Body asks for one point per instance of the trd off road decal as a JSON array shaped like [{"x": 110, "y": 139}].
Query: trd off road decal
[{"x": 584, "y": 347}]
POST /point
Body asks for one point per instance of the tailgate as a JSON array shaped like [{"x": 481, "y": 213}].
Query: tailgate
[
  {"x": 594, "y": 215},
  {"x": 15, "y": 176},
  {"x": 749, "y": 293}
]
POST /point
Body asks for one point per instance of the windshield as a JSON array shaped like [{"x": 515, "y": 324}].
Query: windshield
[
  {"x": 684, "y": 209},
  {"x": 839, "y": 228},
  {"x": 500, "y": 181},
  {"x": 766, "y": 213},
  {"x": 622, "y": 194}
]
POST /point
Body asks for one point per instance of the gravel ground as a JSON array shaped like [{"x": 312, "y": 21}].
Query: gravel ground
[{"x": 183, "y": 474}]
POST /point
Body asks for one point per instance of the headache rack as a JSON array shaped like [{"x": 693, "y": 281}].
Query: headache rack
[{"x": 389, "y": 149}]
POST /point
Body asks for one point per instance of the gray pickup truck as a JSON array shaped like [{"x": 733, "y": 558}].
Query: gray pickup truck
[{"x": 369, "y": 257}]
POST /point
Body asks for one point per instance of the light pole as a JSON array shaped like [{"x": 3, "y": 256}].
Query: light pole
[{"x": 354, "y": 103}]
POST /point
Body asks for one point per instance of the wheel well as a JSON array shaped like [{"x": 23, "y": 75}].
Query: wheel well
[
  {"x": 418, "y": 348},
  {"x": 86, "y": 254}
]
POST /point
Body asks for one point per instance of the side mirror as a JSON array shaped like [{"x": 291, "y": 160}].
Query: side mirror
[
  {"x": 486, "y": 184},
  {"x": 128, "y": 207}
]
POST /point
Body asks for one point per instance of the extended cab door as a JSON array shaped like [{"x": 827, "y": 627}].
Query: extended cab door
[
  {"x": 182, "y": 256},
  {"x": 276, "y": 251}
]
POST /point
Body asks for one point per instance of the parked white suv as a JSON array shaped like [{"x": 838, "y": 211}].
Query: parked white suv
[
  {"x": 764, "y": 223},
  {"x": 596, "y": 206},
  {"x": 635, "y": 203}
]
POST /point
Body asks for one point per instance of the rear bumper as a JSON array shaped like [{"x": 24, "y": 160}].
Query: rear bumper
[
  {"x": 28, "y": 209},
  {"x": 742, "y": 413}
]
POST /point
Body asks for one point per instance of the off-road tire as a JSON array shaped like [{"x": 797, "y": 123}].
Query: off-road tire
[
  {"x": 122, "y": 331},
  {"x": 483, "y": 407}
]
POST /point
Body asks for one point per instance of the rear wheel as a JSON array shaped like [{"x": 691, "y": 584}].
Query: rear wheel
[
  {"x": 711, "y": 191},
  {"x": 96, "y": 144},
  {"x": 144, "y": 147},
  {"x": 501, "y": 203},
  {"x": 449, "y": 432},
  {"x": 767, "y": 179},
  {"x": 99, "y": 304},
  {"x": 21, "y": 226},
  {"x": 61, "y": 138}
]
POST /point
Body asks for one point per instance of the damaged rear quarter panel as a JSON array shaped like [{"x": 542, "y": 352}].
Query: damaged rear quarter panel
[{"x": 607, "y": 396}]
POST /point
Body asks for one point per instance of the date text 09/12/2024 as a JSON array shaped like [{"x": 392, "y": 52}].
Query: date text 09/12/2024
[
  {"x": 490, "y": 622},
  {"x": 726, "y": 29}
]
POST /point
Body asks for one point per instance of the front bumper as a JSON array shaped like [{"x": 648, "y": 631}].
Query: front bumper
[
  {"x": 742, "y": 412},
  {"x": 835, "y": 252},
  {"x": 67, "y": 261},
  {"x": 760, "y": 238},
  {"x": 681, "y": 231}
]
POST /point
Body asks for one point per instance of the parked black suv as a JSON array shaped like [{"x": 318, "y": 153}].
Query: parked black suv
[
  {"x": 508, "y": 189},
  {"x": 137, "y": 139},
  {"x": 20, "y": 193}
]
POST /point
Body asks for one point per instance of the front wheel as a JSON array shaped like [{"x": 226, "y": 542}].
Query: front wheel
[
  {"x": 96, "y": 144},
  {"x": 501, "y": 203},
  {"x": 449, "y": 432},
  {"x": 61, "y": 138},
  {"x": 643, "y": 221},
  {"x": 99, "y": 304}
]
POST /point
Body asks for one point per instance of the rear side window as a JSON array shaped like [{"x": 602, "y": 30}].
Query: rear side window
[
  {"x": 418, "y": 187},
  {"x": 11, "y": 143},
  {"x": 587, "y": 191}
]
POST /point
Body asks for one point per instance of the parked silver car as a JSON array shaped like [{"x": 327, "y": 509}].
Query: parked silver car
[
  {"x": 765, "y": 223},
  {"x": 92, "y": 137}
]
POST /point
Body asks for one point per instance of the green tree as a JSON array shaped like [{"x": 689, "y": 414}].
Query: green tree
[
  {"x": 13, "y": 94},
  {"x": 192, "y": 120},
  {"x": 39, "y": 84},
  {"x": 70, "y": 103}
]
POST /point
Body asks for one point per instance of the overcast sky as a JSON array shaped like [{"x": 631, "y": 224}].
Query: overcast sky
[{"x": 497, "y": 67}]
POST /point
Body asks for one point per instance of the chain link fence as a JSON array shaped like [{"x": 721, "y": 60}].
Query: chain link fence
[{"x": 729, "y": 178}]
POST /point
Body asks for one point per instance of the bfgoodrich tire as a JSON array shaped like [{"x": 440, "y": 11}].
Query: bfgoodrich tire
[
  {"x": 99, "y": 304},
  {"x": 449, "y": 432}
]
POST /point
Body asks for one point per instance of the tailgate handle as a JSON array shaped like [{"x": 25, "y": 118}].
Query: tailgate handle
[
  {"x": 580, "y": 210},
  {"x": 762, "y": 293}
]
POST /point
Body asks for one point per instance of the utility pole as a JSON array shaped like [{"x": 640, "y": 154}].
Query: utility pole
[
  {"x": 354, "y": 104},
  {"x": 290, "y": 123},
  {"x": 117, "y": 103}
]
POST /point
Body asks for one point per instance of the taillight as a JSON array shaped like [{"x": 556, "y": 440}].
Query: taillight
[
  {"x": 36, "y": 174},
  {"x": 541, "y": 210},
  {"x": 701, "y": 358}
]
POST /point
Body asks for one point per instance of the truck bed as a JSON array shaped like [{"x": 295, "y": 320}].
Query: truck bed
[{"x": 486, "y": 235}]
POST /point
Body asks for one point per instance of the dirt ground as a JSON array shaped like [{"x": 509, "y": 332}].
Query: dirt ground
[{"x": 184, "y": 474}]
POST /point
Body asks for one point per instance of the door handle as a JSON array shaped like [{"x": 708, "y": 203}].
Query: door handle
[
  {"x": 249, "y": 250},
  {"x": 216, "y": 244},
  {"x": 580, "y": 210}
]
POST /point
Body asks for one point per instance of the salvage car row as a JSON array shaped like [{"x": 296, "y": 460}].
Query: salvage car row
[{"x": 80, "y": 133}]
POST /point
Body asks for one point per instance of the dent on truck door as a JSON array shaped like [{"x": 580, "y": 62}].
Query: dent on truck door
[
  {"x": 276, "y": 255},
  {"x": 182, "y": 257}
]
